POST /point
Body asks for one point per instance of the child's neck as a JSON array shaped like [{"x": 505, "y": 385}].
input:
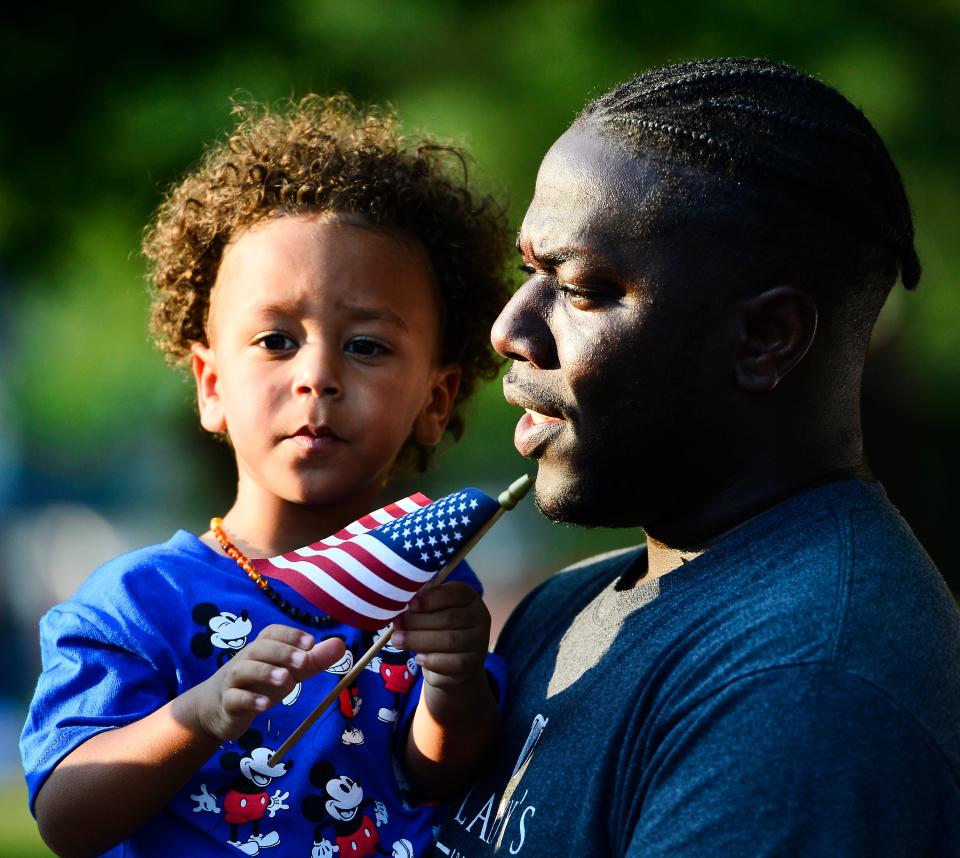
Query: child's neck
[{"x": 260, "y": 532}]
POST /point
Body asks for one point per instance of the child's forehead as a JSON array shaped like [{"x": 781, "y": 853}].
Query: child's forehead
[{"x": 291, "y": 264}]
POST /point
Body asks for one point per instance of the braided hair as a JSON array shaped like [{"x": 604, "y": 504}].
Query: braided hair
[{"x": 801, "y": 155}]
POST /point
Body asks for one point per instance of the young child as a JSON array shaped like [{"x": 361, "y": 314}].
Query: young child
[{"x": 331, "y": 283}]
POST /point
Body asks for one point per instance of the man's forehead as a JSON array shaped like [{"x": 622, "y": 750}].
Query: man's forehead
[{"x": 592, "y": 190}]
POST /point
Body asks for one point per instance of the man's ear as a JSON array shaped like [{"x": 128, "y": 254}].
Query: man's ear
[
  {"x": 432, "y": 420},
  {"x": 204, "y": 366},
  {"x": 775, "y": 330}
]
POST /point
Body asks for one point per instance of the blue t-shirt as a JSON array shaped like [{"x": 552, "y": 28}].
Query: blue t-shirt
[
  {"x": 151, "y": 624},
  {"x": 793, "y": 691}
]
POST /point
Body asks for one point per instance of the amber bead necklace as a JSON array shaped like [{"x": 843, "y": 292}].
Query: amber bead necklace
[{"x": 321, "y": 621}]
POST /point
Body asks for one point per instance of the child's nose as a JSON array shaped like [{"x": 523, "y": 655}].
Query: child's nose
[{"x": 318, "y": 373}]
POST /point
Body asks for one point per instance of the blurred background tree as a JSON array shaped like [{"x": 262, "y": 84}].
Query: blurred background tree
[{"x": 99, "y": 445}]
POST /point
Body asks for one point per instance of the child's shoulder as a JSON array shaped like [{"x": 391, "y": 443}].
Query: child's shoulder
[{"x": 146, "y": 575}]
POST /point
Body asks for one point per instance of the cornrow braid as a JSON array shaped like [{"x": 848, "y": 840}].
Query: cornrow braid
[{"x": 741, "y": 118}]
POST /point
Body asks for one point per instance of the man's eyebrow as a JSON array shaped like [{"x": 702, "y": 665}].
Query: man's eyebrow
[{"x": 557, "y": 257}]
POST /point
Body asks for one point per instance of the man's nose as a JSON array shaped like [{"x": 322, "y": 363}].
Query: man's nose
[
  {"x": 318, "y": 371},
  {"x": 522, "y": 332}
]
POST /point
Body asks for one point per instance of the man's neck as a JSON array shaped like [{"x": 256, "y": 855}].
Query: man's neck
[{"x": 678, "y": 539}]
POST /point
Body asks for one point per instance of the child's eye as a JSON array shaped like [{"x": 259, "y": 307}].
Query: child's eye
[
  {"x": 276, "y": 342},
  {"x": 365, "y": 347}
]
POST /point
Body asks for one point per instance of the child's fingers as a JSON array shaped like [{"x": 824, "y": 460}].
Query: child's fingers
[
  {"x": 259, "y": 677},
  {"x": 474, "y": 638},
  {"x": 287, "y": 634},
  {"x": 452, "y": 594},
  {"x": 461, "y": 617},
  {"x": 239, "y": 704},
  {"x": 273, "y": 653},
  {"x": 450, "y": 668},
  {"x": 323, "y": 655},
  {"x": 301, "y": 664}
]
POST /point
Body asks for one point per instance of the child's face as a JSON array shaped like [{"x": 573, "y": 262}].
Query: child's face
[{"x": 322, "y": 360}]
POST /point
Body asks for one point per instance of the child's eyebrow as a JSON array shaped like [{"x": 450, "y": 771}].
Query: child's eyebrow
[
  {"x": 364, "y": 313},
  {"x": 357, "y": 311}
]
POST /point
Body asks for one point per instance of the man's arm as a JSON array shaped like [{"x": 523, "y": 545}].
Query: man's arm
[{"x": 800, "y": 761}]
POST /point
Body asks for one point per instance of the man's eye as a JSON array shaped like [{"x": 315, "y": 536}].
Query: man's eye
[
  {"x": 527, "y": 269},
  {"x": 276, "y": 342},
  {"x": 365, "y": 347},
  {"x": 581, "y": 297}
]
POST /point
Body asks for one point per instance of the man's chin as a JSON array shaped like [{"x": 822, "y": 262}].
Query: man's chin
[
  {"x": 565, "y": 502},
  {"x": 569, "y": 500}
]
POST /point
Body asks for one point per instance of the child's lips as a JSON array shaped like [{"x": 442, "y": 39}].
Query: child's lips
[{"x": 316, "y": 438}]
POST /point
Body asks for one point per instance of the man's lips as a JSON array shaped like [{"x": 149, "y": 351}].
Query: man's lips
[
  {"x": 534, "y": 430},
  {"x": 538, "y": 424}
]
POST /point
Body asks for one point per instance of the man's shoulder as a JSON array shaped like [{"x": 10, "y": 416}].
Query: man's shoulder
[{"x": 837, "y": 578}]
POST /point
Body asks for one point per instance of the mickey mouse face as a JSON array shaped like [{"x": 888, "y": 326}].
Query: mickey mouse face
[
  {"x": 226, "y": 631},
  {"x": 256, "y": 767},
  {"x": 345, "y": 796},
  {"x": 230, "y": 631}
]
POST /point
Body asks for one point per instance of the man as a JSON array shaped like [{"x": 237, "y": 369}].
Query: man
[{"x": 777, "y": 672}]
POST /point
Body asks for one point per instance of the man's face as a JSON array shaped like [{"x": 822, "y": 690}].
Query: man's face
[{"x": 619, "y": 349}]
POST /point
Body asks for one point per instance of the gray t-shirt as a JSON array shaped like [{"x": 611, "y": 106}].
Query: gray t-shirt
[{"x": 795, "y": 690}]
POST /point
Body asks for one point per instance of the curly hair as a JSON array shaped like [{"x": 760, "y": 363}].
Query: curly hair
[{"x": 325, "y": 154}]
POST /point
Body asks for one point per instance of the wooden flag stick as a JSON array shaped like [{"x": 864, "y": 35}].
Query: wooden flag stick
[{"x": 508, "y": 500}]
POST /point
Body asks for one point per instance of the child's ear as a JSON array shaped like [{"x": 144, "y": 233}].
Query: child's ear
[
  {"x": 204, "y": 365},
  {"x": 432, "y": 419}
]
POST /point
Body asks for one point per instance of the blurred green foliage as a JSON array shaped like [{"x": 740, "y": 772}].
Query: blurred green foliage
[
  {"x": 102, "y": 112},
  {"x": 20, "y": 837}
]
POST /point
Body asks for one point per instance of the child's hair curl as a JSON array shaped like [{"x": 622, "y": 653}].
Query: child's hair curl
[{"x": 325, "y": 154}]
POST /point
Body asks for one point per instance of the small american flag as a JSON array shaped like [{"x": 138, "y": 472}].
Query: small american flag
[{"x": 367, "y": 573}]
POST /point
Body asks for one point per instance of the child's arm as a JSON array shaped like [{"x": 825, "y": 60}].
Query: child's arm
[
  {"x": 457, "y": 717},
  {"x": 115, "y": 781}
]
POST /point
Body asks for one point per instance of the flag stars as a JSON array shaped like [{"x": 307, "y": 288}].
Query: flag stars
[
  {"x": 407, "y": 545},
  {"x": 464, "y": 520},
  {"x": 429, "y": 526},
  {"x": 419, "y": 543},
  {"x": 438, "y": 554},
  {"x": 432, "y": 540},
  {"x": 473, "y": 503},
  {"x": 424, "y": 557},
  {"x": 444, "y": 539}
]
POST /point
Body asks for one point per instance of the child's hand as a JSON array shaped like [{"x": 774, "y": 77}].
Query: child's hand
[
  {"x": 260, "y": 676},
  {"x": 448, "y": 626},
  {"x": 456, "y": 719}
]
